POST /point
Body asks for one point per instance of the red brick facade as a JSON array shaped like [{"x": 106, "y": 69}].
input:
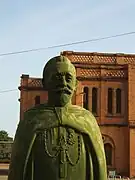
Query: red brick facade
[{"x": 101, "y": 77}]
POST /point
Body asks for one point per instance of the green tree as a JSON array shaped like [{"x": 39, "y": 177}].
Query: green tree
[{"x": 4, "y": 136}]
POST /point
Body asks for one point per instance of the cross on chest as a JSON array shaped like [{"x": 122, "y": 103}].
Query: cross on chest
[
  {"x": 65, "y": 145},
  {"x": 62, "y": 155}
]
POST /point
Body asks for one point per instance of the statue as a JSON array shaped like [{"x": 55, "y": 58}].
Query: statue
[{"x": 58, "y": 140}]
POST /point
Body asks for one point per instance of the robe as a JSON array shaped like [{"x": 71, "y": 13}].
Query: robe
[{"x": 58, "y": 144}]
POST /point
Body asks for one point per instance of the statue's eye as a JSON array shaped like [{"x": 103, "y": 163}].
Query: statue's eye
[
  {"x": 68, "y": 78},
  {"x": 58, "y": 77}
]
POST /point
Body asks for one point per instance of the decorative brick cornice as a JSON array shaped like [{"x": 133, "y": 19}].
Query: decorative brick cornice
[
  {"x": 101, "y": 73},
  {"x": 90, "y": 66},
  {"x": 35, "y": 82},
  {"x": 99, "y": 58}
]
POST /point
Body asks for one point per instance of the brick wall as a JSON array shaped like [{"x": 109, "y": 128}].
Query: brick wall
[{"x": 131, "y": 117}]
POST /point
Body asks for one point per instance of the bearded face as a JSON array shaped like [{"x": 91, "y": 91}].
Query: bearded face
[{"x": 60, "y": 82}]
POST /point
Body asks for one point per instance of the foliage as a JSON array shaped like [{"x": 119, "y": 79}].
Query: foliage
[{"x": 4, "y": 136}]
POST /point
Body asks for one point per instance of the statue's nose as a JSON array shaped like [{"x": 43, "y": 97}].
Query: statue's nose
[{"x": 63, "y": 81}]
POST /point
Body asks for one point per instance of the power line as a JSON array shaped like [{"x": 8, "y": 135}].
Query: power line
[
  {"x": 67, "y": 44},
  {"x": 5, "y": 91},
  {"x": 61, "y": 45}
]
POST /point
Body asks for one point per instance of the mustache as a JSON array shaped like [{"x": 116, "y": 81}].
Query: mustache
[{"x": 60, "y": 89}]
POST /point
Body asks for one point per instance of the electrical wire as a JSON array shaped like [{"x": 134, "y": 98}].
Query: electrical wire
[
  {"x": 67, "y": 44},
  {"x": 10, "y": 90},
  {"x": 62, "y": 45}
]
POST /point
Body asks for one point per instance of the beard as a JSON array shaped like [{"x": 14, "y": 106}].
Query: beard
[
  {"x": 61, "y": 95},
  {"x": 62, "y": 98},
  {"x": 63, "y": 90}
]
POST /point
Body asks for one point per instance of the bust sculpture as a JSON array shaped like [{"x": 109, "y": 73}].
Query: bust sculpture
[{"x": 58, "y": 140}]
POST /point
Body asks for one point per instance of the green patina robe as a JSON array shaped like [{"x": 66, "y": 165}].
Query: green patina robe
[{"x": 37, "y": 153}]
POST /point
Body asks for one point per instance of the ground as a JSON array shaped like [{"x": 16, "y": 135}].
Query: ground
[{"x": 3, "y": 177}]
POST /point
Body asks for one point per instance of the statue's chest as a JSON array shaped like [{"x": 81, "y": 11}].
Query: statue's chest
[
  {"x": 60, "y": 150},
  {"x": 61, "y": 142}
]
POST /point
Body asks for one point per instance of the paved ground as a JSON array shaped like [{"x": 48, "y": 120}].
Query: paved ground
[{"x": 3, "y": 177}]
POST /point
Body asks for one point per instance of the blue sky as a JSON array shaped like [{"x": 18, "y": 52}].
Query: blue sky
[{"x": 27, "y": 24}]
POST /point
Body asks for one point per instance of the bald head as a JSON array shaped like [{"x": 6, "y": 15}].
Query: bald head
[
  {"x": 59, "y": 66},
  {"x": 59, "y": 63},
  {"x": 59, "y": 79}
]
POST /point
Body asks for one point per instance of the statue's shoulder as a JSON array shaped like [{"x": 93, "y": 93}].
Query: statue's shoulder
[
  {"x": 39, "y": 107},
  {"x": 83, "y": 117},
  {"x": 79, "y": 110},
  {"x": 37, "y": 110},
  {"x": 76, "y": 108}
]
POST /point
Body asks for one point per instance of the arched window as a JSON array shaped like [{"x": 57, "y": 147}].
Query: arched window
[
  {"x": 118, "y": 100},
  {"x": 94, "y": 100},
  {"x": 108, "y": 153},
  {"x": 37, "y": 100},
  {"x": 110, "y": 100},
  {"x": 86, "y": 97}
]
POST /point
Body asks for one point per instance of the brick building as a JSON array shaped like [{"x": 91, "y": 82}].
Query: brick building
[
  {"x": 106, "y": 88},
  {"x": 5, "y": 154}
]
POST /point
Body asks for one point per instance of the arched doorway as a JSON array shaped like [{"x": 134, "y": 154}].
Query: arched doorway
[
  {"x": 108, "y": 153},
  {"x": 109, "y": 148}
]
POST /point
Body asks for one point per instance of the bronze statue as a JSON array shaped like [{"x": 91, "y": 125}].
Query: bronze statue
[{"x": 58, "y": 140}]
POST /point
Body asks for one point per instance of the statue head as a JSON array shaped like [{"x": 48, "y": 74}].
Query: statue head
[{"x": 59, "y": 79}]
